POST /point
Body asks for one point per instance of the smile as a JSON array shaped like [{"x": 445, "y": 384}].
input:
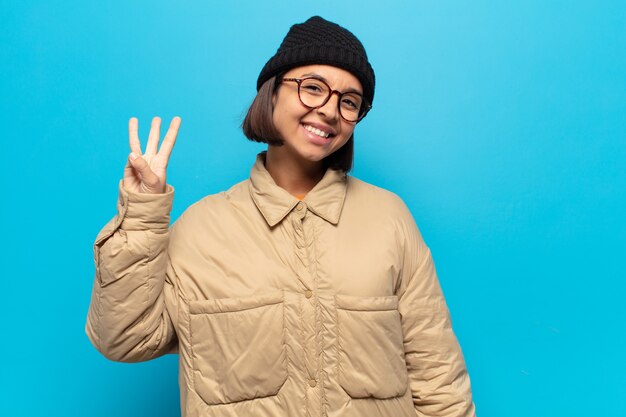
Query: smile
[{"x": 316, "y": 131}]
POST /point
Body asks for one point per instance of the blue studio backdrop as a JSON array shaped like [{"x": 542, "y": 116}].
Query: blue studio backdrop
[{"x": 502, "y": 124}]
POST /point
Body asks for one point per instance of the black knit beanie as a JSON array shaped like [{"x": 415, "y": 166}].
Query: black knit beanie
[{"x": 318, "y": 41}]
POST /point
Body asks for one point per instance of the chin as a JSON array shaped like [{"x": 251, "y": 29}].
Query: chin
[{"x": 313, "y": 156}]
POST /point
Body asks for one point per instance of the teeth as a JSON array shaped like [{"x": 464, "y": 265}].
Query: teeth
[{"x": 316, "y": 131}]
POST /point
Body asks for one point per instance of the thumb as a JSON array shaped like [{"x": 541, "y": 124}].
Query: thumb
[{"x": 142, "y": 167}]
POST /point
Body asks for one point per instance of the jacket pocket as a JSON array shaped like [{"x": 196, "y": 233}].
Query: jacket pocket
[
  {"x": 371, "y": 347},
  {"x": 238, "y": 347}
]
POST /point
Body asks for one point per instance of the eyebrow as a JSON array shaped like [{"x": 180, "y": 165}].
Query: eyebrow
[{"x": 319, "y": 77}]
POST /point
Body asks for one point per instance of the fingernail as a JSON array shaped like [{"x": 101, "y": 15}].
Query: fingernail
[{"x": 133, "y": 156}]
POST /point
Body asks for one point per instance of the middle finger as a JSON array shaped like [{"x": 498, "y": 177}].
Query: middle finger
[{"x": 153, "y": 138}]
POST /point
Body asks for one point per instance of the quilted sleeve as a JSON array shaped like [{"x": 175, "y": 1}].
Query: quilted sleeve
[
  {"x": 438, "y": 378},
  {"x": 133, "y": 303}
]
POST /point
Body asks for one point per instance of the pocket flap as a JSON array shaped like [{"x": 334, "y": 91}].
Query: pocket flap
[
  {"x": 226, "y": 305},
  {"x": 349, "y": 302}
]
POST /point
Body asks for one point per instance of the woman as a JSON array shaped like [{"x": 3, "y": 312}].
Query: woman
[{"x": 299, "y": 292}]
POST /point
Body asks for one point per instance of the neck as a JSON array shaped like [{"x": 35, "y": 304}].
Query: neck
[{"x": 297, "y": 177}]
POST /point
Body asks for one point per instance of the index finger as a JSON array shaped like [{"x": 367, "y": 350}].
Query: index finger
[
  {"x": 133, "y": 136},
  {"x": 170, "y": 138}
]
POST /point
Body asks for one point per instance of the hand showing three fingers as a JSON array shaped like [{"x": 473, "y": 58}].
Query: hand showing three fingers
[{"x": 145, "y": 173}]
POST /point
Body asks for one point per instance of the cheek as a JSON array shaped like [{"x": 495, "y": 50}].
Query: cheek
[
  {"x": 285, "y": 112},
  {"x": 347, "y": 132}
]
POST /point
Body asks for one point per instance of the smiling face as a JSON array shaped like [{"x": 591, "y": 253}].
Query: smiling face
[{"x": 310, "y": 135}]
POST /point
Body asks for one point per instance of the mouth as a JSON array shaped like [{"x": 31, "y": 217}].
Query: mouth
[{"x": 321, "y": 131}]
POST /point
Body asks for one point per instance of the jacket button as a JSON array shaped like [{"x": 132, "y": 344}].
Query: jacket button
[
  {"x": 300, "y": 206},
  {"x": 312, "y": 383},
  {"x": 308, "y": 293}
]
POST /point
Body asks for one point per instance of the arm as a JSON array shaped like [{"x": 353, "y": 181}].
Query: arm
[
  {"x": 133, "y": 301},
  {"x": 437, "y": 374}
]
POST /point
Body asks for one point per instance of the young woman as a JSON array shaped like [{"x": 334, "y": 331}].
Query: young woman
[{"x": 301, "y": 291}]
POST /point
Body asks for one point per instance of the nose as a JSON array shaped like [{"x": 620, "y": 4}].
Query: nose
[{"x": 330, "y": 109}]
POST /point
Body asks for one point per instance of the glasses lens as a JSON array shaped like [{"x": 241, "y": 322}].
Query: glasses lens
[
  {"x": 313, "y": 92},
  {"x": 350, "y": 106}
]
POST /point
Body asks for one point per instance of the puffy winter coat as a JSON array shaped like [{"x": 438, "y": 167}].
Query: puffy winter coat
[{"x": 329, "y": 306}]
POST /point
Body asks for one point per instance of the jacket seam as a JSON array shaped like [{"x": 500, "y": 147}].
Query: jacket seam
[
  {"x": 146, "y": 284},
  {"x": 303, "y": 344},
  {"x": 284, "y": 345},
  {"x": 338, "y": 348},
  {"x": 192, "y": 359},
  {"x": 320, "y": 326}
]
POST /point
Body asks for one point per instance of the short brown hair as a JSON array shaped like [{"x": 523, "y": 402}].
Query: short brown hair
[{"x": 258, "y": 126}]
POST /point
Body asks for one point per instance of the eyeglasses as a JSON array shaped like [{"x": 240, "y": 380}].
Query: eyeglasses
[{"x": 314, "y": 93}]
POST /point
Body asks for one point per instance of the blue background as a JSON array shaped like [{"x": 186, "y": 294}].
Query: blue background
[{"x": 502, "y": 124}]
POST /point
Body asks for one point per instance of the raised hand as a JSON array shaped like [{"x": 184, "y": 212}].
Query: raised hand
[{"x": 145, "y": 173}]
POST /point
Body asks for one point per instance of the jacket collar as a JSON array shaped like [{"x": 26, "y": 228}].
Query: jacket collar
[{"x": 325, "y": 199}]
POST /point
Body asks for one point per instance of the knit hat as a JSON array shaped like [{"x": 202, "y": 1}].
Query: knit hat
[{"x": 318, "y": 41}]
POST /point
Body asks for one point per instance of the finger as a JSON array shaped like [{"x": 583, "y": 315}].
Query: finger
[
  {"x": 133, "y": 136},
  {"x": 128, "y": 168},
  {"x": 143, "y": 168},
  {"x": 170, "y": 138},
  {"x": 153, "y": 138}
]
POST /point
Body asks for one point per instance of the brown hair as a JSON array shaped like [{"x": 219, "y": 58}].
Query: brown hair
[{"x": 258, "y": 126}]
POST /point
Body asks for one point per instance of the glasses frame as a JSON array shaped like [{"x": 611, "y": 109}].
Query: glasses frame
[{"x": 365, "y": 104}]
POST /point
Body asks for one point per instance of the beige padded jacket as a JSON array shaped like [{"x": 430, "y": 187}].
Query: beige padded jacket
[{"x": 329, "y": 306}]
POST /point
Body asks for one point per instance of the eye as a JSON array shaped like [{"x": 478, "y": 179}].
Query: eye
[
  {"x": 312, "y": 86},
  {"x": 351, "y": 102}
]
